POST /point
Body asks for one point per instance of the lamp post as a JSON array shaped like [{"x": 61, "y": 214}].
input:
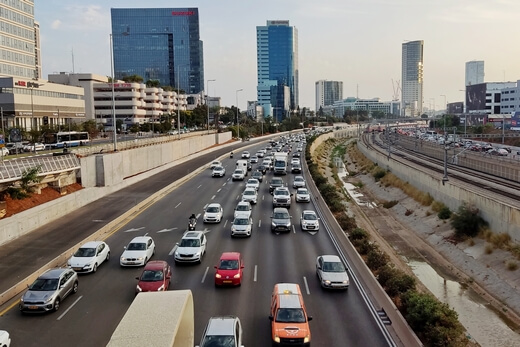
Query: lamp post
[
  {"x": 238, "y": 121},
  {"x": 113, "y": 92},
  {"x": 33, "y": 85},
  {"x": 207, "y": 98},
  {"x": 444, "y": 116},
  {"x": 178, "y": 77}
]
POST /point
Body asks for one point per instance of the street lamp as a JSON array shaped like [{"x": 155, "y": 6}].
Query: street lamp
[
  {"x": 238, "y": 122},
  {"x": 444, "y": 116},
  {"x": 113, "y": 92},
  {"x": 33, "y": 85},
  {"x": 178, "y": 77},
  {"x": 207, "y": 98}
]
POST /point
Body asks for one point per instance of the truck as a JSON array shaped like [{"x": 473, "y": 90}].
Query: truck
[
  {"x": 242, "y": 164},
  {"x": 280, "y": 163}
]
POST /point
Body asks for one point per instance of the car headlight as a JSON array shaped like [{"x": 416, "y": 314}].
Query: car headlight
[
  {"x": 276, "y": 338},
  {"x": 197, "y": 254},
  {"x": 140, "y": 258},
  {"x": 306, "y": 339},
  {"x": 218, "y": 275},
  {"x": 236, "y": 276},
  {"x": 176, "y": 253},
  {"x": 327, "y": 282},
  {"x": 345, "y": 282},
  {"x": 139, "y": 289},
  {"x": 123, "y": 258},
  {"x": 233, "y": 228},
  {"x": 273, "y": 224}
]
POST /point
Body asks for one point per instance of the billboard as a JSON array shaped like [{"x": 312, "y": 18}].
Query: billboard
[
  {"x": 476, "y": 97},
  {"x": 515, "y": 120}
]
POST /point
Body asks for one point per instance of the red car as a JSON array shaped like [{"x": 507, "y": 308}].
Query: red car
[
  {"x": 230, "y": 269},
  {"x": 156, "y": 277}
]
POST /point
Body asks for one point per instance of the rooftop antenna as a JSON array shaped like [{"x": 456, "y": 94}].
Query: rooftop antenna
[{"x": 72, "y": 59}]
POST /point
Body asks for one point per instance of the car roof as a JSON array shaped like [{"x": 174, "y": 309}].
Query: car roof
[
  {"x": 192, "y": 235},
  {"x": 330, "y": 258},
  {"x": 244, "y": 203},
  {"x": 155, "y": 265},
  {"x": 230, "y": 255},
  {"x": 214, "y": 204},
  {"x": 302, "y": 189},
  {"x": 53, "y": 273},
  {"x": 250, "y": 189},
  {"x": 308, "y": 212},
  {"x": 280, "y": 209},
  {"x": 91, "y": 244},
  {"x": 140, "y": 239},
  {"x": 221, "y": 325}
]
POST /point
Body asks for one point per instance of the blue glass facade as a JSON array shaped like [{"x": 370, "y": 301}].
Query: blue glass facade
[
  {"x": 159, "y": 44},
  {"x": 277, "y": 65}
]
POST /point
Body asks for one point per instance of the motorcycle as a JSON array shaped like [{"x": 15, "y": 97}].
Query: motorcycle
[
  {"x": 192, "y": 224},
  {"x": 231, "y": 155}
]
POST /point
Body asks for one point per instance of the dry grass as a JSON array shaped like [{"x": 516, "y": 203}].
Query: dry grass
[
  {"x": 471, "y": 242},
  {"x": 437, "y": 206},
  {"x": 421, "y": 197},
  {"x": 511, "y": 265},
  {"x": 489, "y": 249},
  {"x": 499, "y": 240}
]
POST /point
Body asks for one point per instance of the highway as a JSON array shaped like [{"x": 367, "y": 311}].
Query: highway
[{"x": 89, "y": 317}]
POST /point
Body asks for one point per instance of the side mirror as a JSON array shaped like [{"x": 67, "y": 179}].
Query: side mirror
[
  {"x": 168, "y": 277},
  {"x": 215, "y": 267},
  {"x": 271, "y": 318},
  {"x": 309, "y": 318},
  {"x": 137, "y": 278},
  {"x": 124, "y": 247}
]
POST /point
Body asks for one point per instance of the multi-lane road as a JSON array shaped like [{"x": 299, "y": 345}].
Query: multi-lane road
[{"x": 89, "y": 317}]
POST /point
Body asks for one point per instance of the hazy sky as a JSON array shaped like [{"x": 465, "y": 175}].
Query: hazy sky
[{"x": 354, "y": 41}]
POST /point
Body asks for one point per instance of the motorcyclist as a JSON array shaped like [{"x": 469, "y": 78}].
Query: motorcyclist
[
  {"x": 231, "y": 155},
  {"x": 192, "y": 217}
]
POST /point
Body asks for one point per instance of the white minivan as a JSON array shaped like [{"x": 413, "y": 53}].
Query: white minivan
[{"x": 242, "y": 164}]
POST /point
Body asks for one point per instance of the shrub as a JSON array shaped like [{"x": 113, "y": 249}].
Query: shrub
[
  {"x": 408, "y": 212},
  {"x": 347, "y": 223},
  {"x": 512, "y": 265},
  {"x": 376, "y": 259},
  {"x": 400, "y": 283},
  {"x": 444, "y": 213},
  {"x": 385, "y": 274},
  {"x": 335, "y": 205},
  {"x": 358, "y": 234},
  {"x": 390, "y": 204},
  {"x": 378, "y": 173},
  {"x": 364, "y": 247},
  {"x": 467, "y": 221}
]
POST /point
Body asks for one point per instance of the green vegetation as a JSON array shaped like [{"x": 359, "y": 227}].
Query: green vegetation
[
  {"x": 27, "y": 181},
  {"x": 467, "y": 221}
]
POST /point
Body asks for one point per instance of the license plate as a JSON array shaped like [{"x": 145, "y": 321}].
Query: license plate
[
  {"x": 76, "y": 268},
  {"x": 130, "y": 262},
  {"x": 32, "y": 307},
  {"x": 227, "y": 281}
]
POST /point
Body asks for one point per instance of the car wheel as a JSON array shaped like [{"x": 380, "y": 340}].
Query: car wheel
[
  {"x": 56, "y": 306},
  {"x": 108, "y": 256},
  {"x": 75, "y": 288},
  {"x": 94, "y": 269}
]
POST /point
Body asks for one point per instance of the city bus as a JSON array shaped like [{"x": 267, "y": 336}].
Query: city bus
[{"x": 64, "y": 139}]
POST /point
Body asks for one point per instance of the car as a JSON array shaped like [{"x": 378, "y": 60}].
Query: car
[
  {"x": 5, "y": 341},
  {"x": 253, "y": 183},
  {"x": 229, "y": 270},
  {"x": 48, "y": 291},
  {"x": 302, "y": 195},
  {"x": 213, "y": 213},
  {"x": 258, "y": 175},
  {"x": 296, "y": 154},
  {"x": 138, "y": 251},
  {"x": 262, "y": 168},
  {"x": 243, "y": 209},
  {"x": 331, "y": 272},
  {"x": 32, "y": 147},
  {"x": 191, "y": 248},
  {"x": 282, "y": 197},
  {"x": 298, "y": 182},
  {"x": 280, "y": 220},
  {"x": 246, "y": 155},
  {"x": 295, "y": 160},
  {"x": 222, "y": 331},
  {"x": 238, "y": 175},
  {"x": 296, "y": 168},
  {"x": 309, "y": 221},
  {"x": 268, "y": 162},
  {"x": 242, "y": 226},
  {"x": 249, "y": 166},
  {"x": 156, "y": 277},
  {"x": 4, "y": 151},
  {"x": 498, "y": 151},
  {"x": 260, "y": 154},
  {"x": 89, "y": 256},
  {"x": 275, "y": 183},
  {"x": 253, "y": 159},
  {"x": 218, "y": 171},
  {"x": 250, "y": 195},
  {"x": 215, "y": 164}
]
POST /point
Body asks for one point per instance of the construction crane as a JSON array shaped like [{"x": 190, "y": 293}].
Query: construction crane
[{"x": 396, "y": 85}]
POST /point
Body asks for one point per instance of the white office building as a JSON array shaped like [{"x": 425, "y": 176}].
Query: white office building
[
  {"x": 474, "y": 72},
  {"x": 328, "y": 92},
  {"x": 412, "y": 78}
]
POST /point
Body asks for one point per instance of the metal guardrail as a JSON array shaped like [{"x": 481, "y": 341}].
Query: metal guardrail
[{"x": 12, "y": 170}]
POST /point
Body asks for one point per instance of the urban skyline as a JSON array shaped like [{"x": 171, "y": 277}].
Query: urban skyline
[{"x": 358, "y": 44}]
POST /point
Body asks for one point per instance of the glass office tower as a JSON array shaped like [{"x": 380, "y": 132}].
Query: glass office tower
[
  {"x": 412, "y": 78},
  {"x": 277, "y": 66},
  {"x": 159, "y": 44}
]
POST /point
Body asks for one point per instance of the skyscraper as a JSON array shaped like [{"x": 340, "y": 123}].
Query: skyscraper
[
  {"x": 327, "y": 92},
  {"x": 277, "y": 66},
  {"x": 412, "y": 79},
  {"x": 159, "y": 44},
  {"x": 474, "y": 72}
]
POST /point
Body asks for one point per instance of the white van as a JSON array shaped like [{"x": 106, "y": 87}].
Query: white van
[{"x": 242, "y": 164}]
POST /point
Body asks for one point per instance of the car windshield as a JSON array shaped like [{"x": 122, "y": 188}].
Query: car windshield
[
  {"x": 212, "y": 209},
  {"x": 228, "y": 264},
  {"x": 309, "y": 216},
  {"x": 243, "y": 207},
  {"x": 298, "y": 179},
  {"x": 152, "y": 275},
  {"x": 277, "y": 181},
  {"x": 85, "y": 252},
  {"x": 218, "y": 168},
  {"x": 190, "y": 243},
  {"x": 290, "y": 315},
  {"x": 136, "y": 246},
  {"x": 219, "y": 341},
  {"x": 241, "y": 221},
  {"x": 252, "y": 182},
  {"x": 44, "y": 284},
  {"x": 333, "y": 266},
  {"x": 301, "y": 191},
  {"x": 239, "y": 172},
  {"x": 281, "y": 192},
  {"x": 249, "y": 192},
  {"x": 281, "y": 215}
]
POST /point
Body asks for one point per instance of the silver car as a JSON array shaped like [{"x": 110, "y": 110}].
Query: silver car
[
  {"x": 242, "y": 226},
  {"x": 222, "y": 331},
  {"x": 47, "y": 292},
  {"x": 331, "y": 272},
  {"x": 280, "y": 220}
]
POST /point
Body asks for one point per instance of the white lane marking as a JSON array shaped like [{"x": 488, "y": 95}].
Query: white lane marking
[
  {"x": 255, "y": 273},
  {"x": 199, "y": 186},
  {"x": 205, "y": 273},
  {"x": 238, "y": 197},
  {"x": 67, "y": 310},
  {"x": 306, "y": 285},
  {"x": 200, "y": 213},
  {"x": 259, "y": 223},
  {"x": 224, "y": 184},
  {"x": 263, "y": 196},
  {"x": 97, "y": 220},
  {"x": 293, "y": 229},
  {"x": 166, "y": 230},
  {"x": 213, "y": 197},
  {"x": 204, "y": 208},
  {"x": 225, "y": 223},
  {"x": 218, "y": 190},
  {"x": 173, "y": 249},
  {"x": 133, "y": 229},
  {"x": 145, "y": 234},
  {"x": 178, "y": 205}
]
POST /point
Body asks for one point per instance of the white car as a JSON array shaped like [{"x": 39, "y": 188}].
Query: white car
[
  {"x": 222, "y": 331},
  {"x": 5, "y": 341},
  {"x": 138, "y": 251},
  {"x": 331, "y": 272},
  {"x": 302, "y": 195},
  {"x": 253, "y": 159},
  {"x": 260, "y": 154},
  {"x": 295, "y": 160},
  {"x": 250, "y": 195},
  {"x": 218, "y": 171},
  {"x": 215, "y": 164},
  {"x": 246, "y": 154},
  {"x": 89, "y": 256},
  {"x": 253, "y": 183},
  {"x": 299, "y": 182},
  {"x": 243, "y": 209},
  {"x": 213, "y": 213},
  {"x": 4, "y": 152},
  {"x": 242, "y": 226},
  {"x": 268, "y": 162},
  {"x": 282, "y": 197},
  {"x": 31, "y": 147},
  {"x": 191, "y": 248},
  {"x": 309, "y": 221},
  {"x": 238, "y": 175}
]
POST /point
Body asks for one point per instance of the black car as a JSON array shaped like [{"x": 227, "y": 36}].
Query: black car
[
  {"x": 249, "y": 166},
  {"x": 262, "y": 168},
  {"x": 258, "y": 175},
  {"x": 275, "y": 183},
  {"x": 296, "y": 154}
]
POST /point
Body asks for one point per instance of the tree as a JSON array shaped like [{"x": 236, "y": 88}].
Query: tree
[
  {"x": 91, "y": 128},
  {"x": 133, "y": 78},
  {"x": 153, "y": 84}
]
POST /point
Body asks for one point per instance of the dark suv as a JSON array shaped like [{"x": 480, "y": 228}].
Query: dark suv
[
  {"x": 275, "y": 183},
  {"x": 280, "y": 220}
]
